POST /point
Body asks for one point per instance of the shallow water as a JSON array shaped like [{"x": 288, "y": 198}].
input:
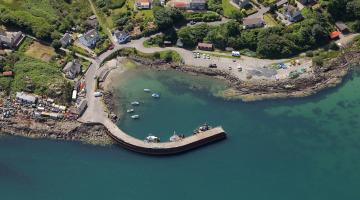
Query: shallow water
[{"x": 287, "y": 149}]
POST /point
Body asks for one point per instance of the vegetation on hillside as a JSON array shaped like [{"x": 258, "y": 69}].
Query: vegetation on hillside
[
  {"x": 272, "y": 42},
  {"x": 44, "y": 18},
  {"x": 345, "y": 10},
  {"x": 35, "y": 76}
]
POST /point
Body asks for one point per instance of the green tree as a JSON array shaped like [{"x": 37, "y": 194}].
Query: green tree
[{"x": 56, "y": 44}]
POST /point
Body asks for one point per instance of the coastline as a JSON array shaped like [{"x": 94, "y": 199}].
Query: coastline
[
  {"x": 329, "y": 75},
  {"x": 57, "y": 130}
]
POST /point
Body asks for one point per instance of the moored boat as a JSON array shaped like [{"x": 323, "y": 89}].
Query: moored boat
[
  {"x": 135, "y": 103},
  {"x": 135, "y": 116},
  {"x": 152, "y": 138},
  {"x": 130, "y": 110},
  {"x": 147, "y": 90},
  {"x": 155, "y": 95}
]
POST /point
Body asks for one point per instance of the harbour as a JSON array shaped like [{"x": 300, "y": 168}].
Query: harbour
[{"x": 287, "y": 149}]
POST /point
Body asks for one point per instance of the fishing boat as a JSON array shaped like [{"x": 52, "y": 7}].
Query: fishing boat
[
  {"x": 152, "y": 138},
  {"x": 130, "y": 110},
  {"x": 135, "y": 116},
  {"x": 147, "y": 90},
  {"x": 135, "y": 103},
  {"x": 155, "y": 95}
]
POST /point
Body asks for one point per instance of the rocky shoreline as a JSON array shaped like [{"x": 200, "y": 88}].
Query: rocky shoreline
[
  {"x": 329, "y": 75},
  {"x": 59, "y": 130}
]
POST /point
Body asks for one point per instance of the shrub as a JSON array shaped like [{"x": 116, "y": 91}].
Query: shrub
[
  {"x": 318, "y": 61},
  {"x": 309, "y": 53}
]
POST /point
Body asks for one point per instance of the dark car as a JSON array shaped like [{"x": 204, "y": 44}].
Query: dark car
[{"x": 213, "y": 66}]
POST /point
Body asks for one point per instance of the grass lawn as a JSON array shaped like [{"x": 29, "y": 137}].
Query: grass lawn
[
  {"x": 269, "y": 20},
  {"x": 148, "y": 45},
  {"x": 144, "y": 14},
  {"x": 40, "y": 51},
  {"x": 228, "y": 8}
]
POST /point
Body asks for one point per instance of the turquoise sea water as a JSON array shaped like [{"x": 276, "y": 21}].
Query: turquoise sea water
[{"x": 295, "y": 149}]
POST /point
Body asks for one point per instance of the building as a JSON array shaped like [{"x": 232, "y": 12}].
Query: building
[
  {"x": 81, "y": 107},
  {"x": 206, "y": 46},
  {"x": 26, "y": 98},
  {"x": 8, "y": 74},
  {"x": 292, "y": 13},
  {"x": 180, "y": 4},
  {"x": 72, "y": 69},
  {"x": 65, "y": 40},
  {"x": 10, "y": 40},
  {"x": 91, "y": 22},
  {"x": 121, "y": 36},
  {"x": 198, "y": 4},
  {"x": 242, "y": 3},
  {"x": 52, "y": 115},
  {"x": 143, "y": 4},
  {"x": 253, "y": 22},
  {"x": 341, "y": 26},
  {"x": 90, "y": 38}
]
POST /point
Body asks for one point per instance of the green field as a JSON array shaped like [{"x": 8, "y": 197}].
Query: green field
[
  {"x": 228, "y": 8},
  {"x": 269, "y": 20}
]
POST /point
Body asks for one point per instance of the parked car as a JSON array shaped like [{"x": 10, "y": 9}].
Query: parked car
[
  {"x": 213, "y": 66},
  {"x": 97, "y": 94}
]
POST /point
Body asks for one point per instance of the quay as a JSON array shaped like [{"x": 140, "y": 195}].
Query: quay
[
  {"x": 164, "y": 148},
  {"x": 96, "y": 113}
]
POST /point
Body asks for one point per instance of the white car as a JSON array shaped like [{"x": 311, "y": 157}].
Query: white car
[{"x": 97, "y": 94}]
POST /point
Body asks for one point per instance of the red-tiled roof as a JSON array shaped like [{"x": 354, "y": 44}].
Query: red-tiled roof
[
  {"x": 205, "y": 45},
  {"x": 334, "y": 34},
  {"x": 8, "y": 73},
  {"x": 180, "y": 4}
]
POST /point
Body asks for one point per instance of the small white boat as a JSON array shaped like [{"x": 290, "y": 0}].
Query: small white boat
[
  {"x": 175, "y": 137},
  {"x": 152, "y": 138},
  {"x": 135, "y": 116},
  {"x": 135, "y": 103},
  {"x": 130, "y": 111},
  {"x": 155, "y": 95},
  {"x": 147, "y": 90}
]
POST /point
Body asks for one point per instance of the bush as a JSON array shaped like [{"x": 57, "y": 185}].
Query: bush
[
  {"x": 309, "y": 53},
  {"x": 333, "y": 46},
  {"x": 318, "y": 61}
]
